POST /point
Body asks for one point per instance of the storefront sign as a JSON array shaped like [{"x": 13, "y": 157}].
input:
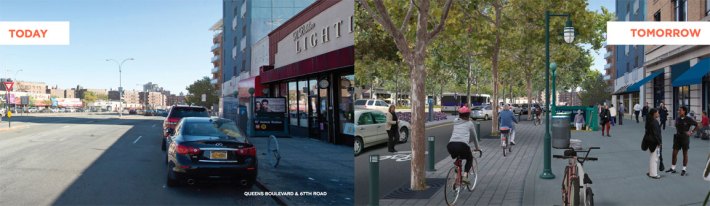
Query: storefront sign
[
  {"x": 268, "y": 125},
  {"x": 270, "y": 105}
]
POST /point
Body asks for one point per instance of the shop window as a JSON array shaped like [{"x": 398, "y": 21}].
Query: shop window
[
  {"x": 658, "y": 90},
  {"x": 302, "y": 102},
  {"x": 346, "y": 110},
  {"x": 681, "y": 97},
  {"x": 293, "y": 103}
]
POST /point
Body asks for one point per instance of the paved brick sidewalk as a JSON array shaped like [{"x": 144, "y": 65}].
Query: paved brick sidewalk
[
  {"x": 500, "y": 179},
  {"x": 619, "y": 177}
]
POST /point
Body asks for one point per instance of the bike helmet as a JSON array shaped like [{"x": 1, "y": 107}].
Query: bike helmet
[{"x": 464, "y": 109}]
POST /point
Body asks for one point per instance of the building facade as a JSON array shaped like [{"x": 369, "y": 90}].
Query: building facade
[
  {"x": 610, "y": 67},
  {"x": 311, "y": 61},
  {"x": 216, "y": 70},
  {"x": 30, "y": 87},
  {"x": 677, "y": 75},
  {"x": 629, "y": 59}
]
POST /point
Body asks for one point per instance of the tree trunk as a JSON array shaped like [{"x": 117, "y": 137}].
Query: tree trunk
[
  {"x": 494, "y": 69},
  {"x": 468, "y": 83},
  {"x": 528, "y": 86},
  {"x": 418, "y": 77}
]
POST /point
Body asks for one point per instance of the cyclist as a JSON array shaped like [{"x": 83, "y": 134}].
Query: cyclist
[
  {"x": 538, "y": 113},
  {"x": 506, "y": 119},
  {"x": 460, "y": 137}
]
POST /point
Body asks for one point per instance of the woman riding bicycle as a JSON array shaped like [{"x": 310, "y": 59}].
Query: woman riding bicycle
[
  {"x": 460, "y": 137},
  {"x": 506, "y": 118}
]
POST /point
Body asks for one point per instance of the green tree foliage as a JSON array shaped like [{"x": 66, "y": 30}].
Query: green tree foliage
[
  {"x": 89, "y": 97},
  {"x": 199, "y": 87},
  {"x": 594, "y": 89}
]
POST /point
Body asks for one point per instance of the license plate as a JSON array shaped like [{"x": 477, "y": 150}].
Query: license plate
[{"x": 218, "y": 155}]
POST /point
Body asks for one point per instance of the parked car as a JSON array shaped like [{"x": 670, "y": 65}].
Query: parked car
[
  {"x": 375, "y": 104},
  {"x": 516, "y": 109},
  {"x": 178, "y": 112},
  {"x": 371, "y": 129},
  {"x": 203, "y": 148},
  {"x": 161, "y": 112},
  {"x": 132, "y": 111},
  {"x": 482, "y": 112},
  {"x": 149, "y": 113}
]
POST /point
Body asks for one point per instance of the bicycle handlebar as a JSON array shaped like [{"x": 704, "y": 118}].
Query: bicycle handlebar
[
  {"x": 592, "y": 158},
  {"x": 593, "y": 148},
  {"x": 559, "y": 156}
]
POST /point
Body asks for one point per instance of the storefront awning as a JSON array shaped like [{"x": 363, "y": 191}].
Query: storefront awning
[
  {"x": 622, "y": 90},
  {"x": 637, "y": 86},
  {"x": 694, "y": 75}
]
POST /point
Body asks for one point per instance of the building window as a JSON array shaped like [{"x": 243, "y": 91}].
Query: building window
[
  {"x": 293, "y": 103},
  {"x": 707, "y": 7},
  {"x": 657, "y": 15},
  {"x": 244, "y": 65},
  {"x": 636, "y": 62},
  {"x": 681, "y": 10},
  {"x": 346, "y": 111},
  {"x": 302, "y": 102},
  {"x": 681, "y": 98},
  {"x": 658, "y": 90}
]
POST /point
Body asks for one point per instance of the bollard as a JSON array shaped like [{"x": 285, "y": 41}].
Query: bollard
[
  {"x": 430, "y": 139},
  {"x": 477, "y": 126},
  {"x": 374, "y": 180},
  {"x": 431, "y": 110}
]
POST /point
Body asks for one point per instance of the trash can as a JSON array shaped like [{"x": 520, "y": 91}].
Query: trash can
[{"x": 561, "y": 132}]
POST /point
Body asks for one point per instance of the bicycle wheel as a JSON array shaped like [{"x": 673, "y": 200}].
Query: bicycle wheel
[
  {"x": 473, "y": 176},
  {"x": 574, "y": 197},
  {"x": 452, "y": 186},
  {"x": 273, "y": 151},
  {"x": 589, "y": 200}
]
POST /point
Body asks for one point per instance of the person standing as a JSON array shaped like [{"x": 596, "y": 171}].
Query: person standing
[
  {"x": 644, "y": 111},
  {"x": 706, "y": 125},
  {"x": 663, "y": 111},
  {"x": 579, "y": 120},
  {"x": 605, "y": 118},
  {"x": 637, "y": 111},
  {"x": 612, "y": 110},
  {"x": 392, "y": 132},
  {"x": 621, "y": 113},
  {"x": 652, "y": 141},
  {"x": 681, "y": 140}
]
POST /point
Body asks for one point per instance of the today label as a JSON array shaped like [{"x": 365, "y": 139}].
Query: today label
[{"x": 34, "y": 33}]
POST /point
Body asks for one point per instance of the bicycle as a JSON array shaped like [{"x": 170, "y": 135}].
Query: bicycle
[
  {"x": 454, "y": 179},
  {"x": 273, "y": 151},
  {"x": 505, "y": 133},
  {"x": 571, "y": 189},
  {"x": 537, "y": 120}
]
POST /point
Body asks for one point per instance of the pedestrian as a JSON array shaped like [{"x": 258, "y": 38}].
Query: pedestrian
[
  {"x": 637, "y": 111},
  {"x": 681, "y": 140},
  {"x": 579, "y": 120},
  {"x": 663, "y": 111},
  {"x": 621, "y": 113},
  {"x": 393, "y": 132},
  {"x": 605, "y": 120},
  {"x": 652, "y": 141},
  {"x": 506, "y": 118},
  {"x": 644, "y": 111},
  {"x": 612, "y": 110},
  {"x": 458, "y": 146},
  {"x": 705, "y": 122}
]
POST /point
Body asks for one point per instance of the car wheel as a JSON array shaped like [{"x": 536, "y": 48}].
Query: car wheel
[
  {"x": 403, "y": 135},
  {"x": 358, "y": 145},
  {"x": 163, "y": 145},
  {"x": 171, "y": 180}
]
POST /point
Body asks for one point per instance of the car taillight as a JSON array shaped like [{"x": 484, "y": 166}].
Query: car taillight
[
  {"x": 182, "y": 149},
  {"x": 251, "y": 151},
  {"x": 173, "y": 120}
]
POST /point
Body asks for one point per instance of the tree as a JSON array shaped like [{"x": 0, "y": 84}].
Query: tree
[
  {"x": 89, "y": 97},
  {"x": 197, "y": 89},
  {"x": 414, "y": 53},
  {"x": 594, "y": 89}
]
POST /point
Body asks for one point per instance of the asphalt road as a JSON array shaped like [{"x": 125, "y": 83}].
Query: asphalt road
[{"x": 84, "y": 159}]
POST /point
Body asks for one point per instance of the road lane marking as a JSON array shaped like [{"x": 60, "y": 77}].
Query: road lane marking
[
  {"x": 139, "y": 137},
  {"x": 65, "y": 126}
]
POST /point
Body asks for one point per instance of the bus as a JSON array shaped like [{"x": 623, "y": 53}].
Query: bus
[{"x": 450, "y": 102}]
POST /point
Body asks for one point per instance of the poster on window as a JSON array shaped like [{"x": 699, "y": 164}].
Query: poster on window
[
  {"x": 269, "y": 125},
  {"x": 269, "y": 105}
]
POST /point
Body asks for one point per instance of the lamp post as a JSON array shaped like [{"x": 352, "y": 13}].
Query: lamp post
[
  {"x": 569, "y": 37},
  {"x": 120, "y": 87}
]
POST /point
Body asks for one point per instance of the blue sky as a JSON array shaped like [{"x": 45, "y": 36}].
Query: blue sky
[
  {"x": 170, "y": 41},
  {"x": 595, "y": 5}
]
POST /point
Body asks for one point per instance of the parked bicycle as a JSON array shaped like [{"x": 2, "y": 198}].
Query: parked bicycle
[
  {"x": 505, "y": 133},
  {"x": 574, "y": 194},
  {"x": 454, "y": 179},
  {"x": 273, "y": 151}
]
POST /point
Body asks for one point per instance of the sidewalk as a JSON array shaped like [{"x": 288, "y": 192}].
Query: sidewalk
[
  {"x": 4, "y": 126},
  {"x": 500, "y": 180},
  {"x": 619, "y": 177},
  {"x": 308, "y": 165}
]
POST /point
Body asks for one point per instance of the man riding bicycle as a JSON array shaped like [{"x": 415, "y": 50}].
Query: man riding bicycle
[
  {"x": 460, "y": 138},
  {"x": 506, "y": 119}
]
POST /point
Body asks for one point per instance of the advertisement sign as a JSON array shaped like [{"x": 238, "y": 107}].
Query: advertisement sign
[
  {"x": 25, "y": 100},
  {"x": 69, "y": 102},
  {"x": 269, "y": 105},
  {"x": 274, "y": 124}
]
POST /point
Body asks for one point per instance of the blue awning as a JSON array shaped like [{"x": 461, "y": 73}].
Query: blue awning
[
  {"x": 637, "y": 86},
  {"x": 694, "y": 75}
]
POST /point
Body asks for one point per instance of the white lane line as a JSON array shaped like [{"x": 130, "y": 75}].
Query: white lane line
[
  {"x": 139, "y": 137},
  {"x": 65, "y": 126}
]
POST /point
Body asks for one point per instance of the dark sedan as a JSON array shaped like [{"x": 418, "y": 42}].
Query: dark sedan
[{"x": 209, "y": 149}]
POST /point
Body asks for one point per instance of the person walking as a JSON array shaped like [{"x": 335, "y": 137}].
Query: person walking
[
  {"x": 644, "y": 111},
  {"x": 663, "y": 112},
  {"x": 681, "y": 140},
  {"x": 621, "y": 113},
  {"x": 637, "y": 111},
  {"x": 605, "y": 120},
  {"x": 652, "y": 141},
  {"x": 392, "y": 132},
  {"x": 612, "y": 110},
  {"x": 579, "y": 120}
]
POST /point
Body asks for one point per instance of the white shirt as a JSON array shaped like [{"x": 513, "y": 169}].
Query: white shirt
[
  {"x": 637, "y": 107},
  {"x": 612, "y": 111}
]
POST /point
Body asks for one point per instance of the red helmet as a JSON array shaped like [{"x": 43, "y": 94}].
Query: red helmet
[{"x": 464, "y": 109}]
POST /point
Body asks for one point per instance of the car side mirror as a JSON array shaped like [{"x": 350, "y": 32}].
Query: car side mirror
[{"x": 171, "y": 131}]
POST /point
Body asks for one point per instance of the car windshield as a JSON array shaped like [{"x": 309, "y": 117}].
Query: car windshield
[
  {"x": 213, "y": 130},
  {"x": 476, "y": 108},
  {"x": 189, "y": 112},
  {"x": 360, "y": 102}
]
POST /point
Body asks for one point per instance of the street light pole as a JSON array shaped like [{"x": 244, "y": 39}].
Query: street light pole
[
  {"x": 120, "y": 85},
  {"x": 569, "y": 37}
]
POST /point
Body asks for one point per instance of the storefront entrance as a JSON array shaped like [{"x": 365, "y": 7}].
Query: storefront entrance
[{"x": 319, "y": 115}]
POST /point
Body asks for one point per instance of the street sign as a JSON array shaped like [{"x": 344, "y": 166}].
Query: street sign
[
  {"x": 9, "y": 114},
  {"x": 8, "y": 85}
]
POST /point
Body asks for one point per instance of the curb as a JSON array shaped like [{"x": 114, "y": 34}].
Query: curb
[{"x": 278, "y": 199}]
